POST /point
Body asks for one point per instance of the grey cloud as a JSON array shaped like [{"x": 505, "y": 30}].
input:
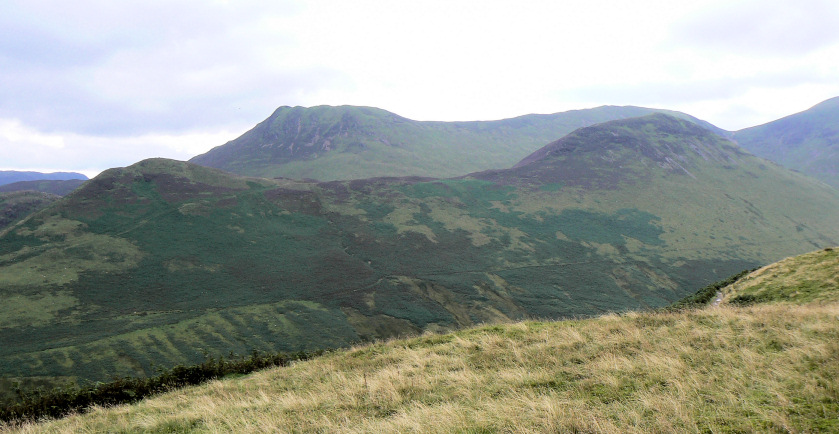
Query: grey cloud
[
  {"x": 22, "y": 46},
  {"x": 764, "y": 27},
  {"x": 676, "y": 93},
  {"x": 107, "y": 68},
  {"x": 55, "y": 104}
]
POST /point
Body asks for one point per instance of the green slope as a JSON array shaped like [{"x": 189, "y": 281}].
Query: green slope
[
  {"x": 813, "y": 277},
  {"x": 162, "y": 262},
  {"x": 806, "y": 141},
  {"x": 16, "y": 205},
  {"x": 761, "y": 368},
  {"x": 347, "y": 142}
]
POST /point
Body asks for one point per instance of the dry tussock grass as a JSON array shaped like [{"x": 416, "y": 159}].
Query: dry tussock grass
[{"x": 727, "y": 369}]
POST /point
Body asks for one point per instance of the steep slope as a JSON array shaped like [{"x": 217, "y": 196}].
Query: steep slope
[
  {"x": 160, "y": 262},
  {"x": 806, "y": 141},
  {"x": 10, "y": 176},
  {"x": 346, "y": 142},
  {"x": 762, "y": 368},
  {"x": 813, "y": 277},
  {"x": 57, "y": 187},
  {"x": 19, "y": 204}
]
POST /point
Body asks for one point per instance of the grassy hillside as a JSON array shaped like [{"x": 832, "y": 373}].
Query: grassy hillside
[
  {"x": 57, "y": 187},
  {"x": 813, "y": 277},
  {"x": 761, "y": 368},
  {"x": 806, "y": 141},
  {"x": 19, "y": 204},
  {"x": 346, "y": 142},
  {"x": 163, "y": 262}
]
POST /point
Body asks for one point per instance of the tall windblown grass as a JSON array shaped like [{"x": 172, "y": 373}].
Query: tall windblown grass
[{"x": 761, "y": 368}]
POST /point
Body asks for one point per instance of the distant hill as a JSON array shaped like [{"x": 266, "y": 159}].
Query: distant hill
[
  {"x": 19, "y": 204},
  {"x": 761, "y": 367},
  {"x": 338, "y": 143},
  {"x": 163, "y": 262},
  {"x": 57, "y": 187},
  {"x": 19, "y": 199},
  {"x": 806, "y": 141},
  {"x": 10, "y": 176}
]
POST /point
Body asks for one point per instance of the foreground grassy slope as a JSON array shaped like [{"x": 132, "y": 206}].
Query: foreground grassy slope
[
  {"x": 762, "y": 368},
  {"x": 163, "y": 262},
  {"x": 806, "y": 141},
  {"x": 347, "y": 142}
]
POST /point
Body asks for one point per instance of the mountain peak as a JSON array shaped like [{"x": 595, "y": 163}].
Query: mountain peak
[
  {"x": 349, "y": 142},
  {"x": 154, "y": 178},
  {"x": 628, "y": 150},
  {"x": 620, "y": 135}
]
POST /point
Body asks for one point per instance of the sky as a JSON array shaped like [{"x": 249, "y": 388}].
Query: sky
[{"x": 89, "y": 85}]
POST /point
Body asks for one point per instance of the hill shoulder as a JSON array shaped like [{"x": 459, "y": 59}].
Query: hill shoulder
[
  {"x": 812, "y": 277},
  {"x": 16, "y": 205},
  {"x": 807, "y": 141}
]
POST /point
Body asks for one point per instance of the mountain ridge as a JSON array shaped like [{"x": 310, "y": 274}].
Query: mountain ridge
[
  {"x": 346, "y": 142},
  {"x": 10, "y": 176},
  {"x": 59, "y": 187},
  {"x": 807, "y": 141}
]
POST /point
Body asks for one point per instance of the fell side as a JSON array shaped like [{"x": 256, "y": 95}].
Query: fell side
[
  {"x": 763, "y": 368},
  {"x": 806, "y": 141}
]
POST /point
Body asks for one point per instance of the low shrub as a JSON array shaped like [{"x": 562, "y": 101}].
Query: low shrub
[
  {"x": 706, "y": 294},
  {"x": 62, "y": 401}
]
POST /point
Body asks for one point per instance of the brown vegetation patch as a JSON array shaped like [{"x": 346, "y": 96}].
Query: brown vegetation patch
[{"x": 302, "y": 201}]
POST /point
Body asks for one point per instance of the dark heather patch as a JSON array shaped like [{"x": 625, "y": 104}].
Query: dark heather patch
[{"x": 302, "y": 201}]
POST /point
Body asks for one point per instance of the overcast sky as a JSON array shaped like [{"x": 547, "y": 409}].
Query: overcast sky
[{"x": 89, "y": 85}]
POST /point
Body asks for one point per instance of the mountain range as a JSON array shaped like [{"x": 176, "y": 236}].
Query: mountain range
[
  {"x": 335, "y": 143},
  {"x": 163, "y": 262},
  {"x": 346, "y": 142},
  {"x": 10, "y": 176}
]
